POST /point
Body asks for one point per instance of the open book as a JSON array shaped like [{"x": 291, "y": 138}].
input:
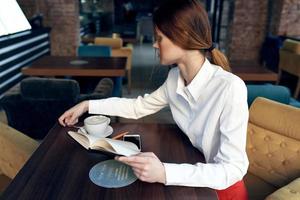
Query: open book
[{"x": 106, "y": 145}]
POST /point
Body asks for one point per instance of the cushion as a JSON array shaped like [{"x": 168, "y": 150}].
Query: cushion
[
  {"x": 294, "y": 102},
  {"x": 276, "y": 117},
  {"x": 290, "y": 192},
  {"x": 49, "y": 88},
  {"x": 273, "y": 157},
  {"x": 274, "y": 92}
]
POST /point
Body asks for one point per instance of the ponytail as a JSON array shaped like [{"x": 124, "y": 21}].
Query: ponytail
[{"x": 218, "y": 58}]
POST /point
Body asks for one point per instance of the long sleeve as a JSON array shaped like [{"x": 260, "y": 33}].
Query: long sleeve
[
  {"x": 229, "y": 164},
  {"x": 131, "y": 108}
]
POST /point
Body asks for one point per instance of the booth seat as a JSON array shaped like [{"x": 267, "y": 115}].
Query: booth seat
[
  {"x": 273, "y": 149},
  {"x": 277, "y": 93}
]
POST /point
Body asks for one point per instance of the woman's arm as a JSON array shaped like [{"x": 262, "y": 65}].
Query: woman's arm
[
  {"x": 128, "y": 108},
  {"x": 131, "y": 108}
]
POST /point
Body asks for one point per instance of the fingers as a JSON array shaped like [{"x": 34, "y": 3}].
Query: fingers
[
  {"x": 134, "y": 159},
  {"x": 146, "y": 166},
  {"x": 147, "y": 154},
  {"x": 70, "y": 117},
  {"x": 61, "y": 119},
  {"x": 64, "y": 119},
  {"x": 73, "y": 119}
]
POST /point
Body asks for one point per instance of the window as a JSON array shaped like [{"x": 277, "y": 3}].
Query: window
[{"x": 12, "y": 19}]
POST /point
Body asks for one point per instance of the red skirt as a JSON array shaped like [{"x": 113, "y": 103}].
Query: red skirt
[{"x": 237, "y": 191}]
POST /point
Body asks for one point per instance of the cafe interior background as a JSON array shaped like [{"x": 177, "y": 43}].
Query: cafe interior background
[{"x": 260, "y": 38}]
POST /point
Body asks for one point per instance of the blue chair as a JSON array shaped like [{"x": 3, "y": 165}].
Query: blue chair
[
  {"x": 99, "y": 51},
  {"x": 277, "y": 93},
  {"x": 94, "y": 51}
]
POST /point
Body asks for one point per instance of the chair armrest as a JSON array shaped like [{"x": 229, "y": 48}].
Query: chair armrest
[
  {"x": 92, "y": 96},
  {"x": 103, "y": 90},
  {"x": 289, "y": 192},
  {"x": 15, "y": 148}
]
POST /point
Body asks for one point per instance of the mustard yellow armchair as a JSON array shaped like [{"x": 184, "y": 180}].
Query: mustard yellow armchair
[
  {"x": 273, "y": 149},
  {"x": 289, "y": 61},
  {"x": 15, "y": 148},
  {"x": 118, "y": 51}
]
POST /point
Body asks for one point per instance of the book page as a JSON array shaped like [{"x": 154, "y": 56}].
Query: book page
[
  {"x": 117, "y": 147},
  {"x": 102, "y": 144},
  {"x": 80, "y": 138},
  {"x": 123, "y": 147}
]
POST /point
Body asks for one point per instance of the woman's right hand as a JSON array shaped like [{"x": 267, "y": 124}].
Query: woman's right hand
[{"x": 70, "y": 117}]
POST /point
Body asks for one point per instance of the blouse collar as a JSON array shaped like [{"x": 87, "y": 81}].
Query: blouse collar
[{"x": 199, "y": 82}]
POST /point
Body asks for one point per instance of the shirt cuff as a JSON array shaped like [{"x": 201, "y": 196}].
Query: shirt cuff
[
  {"x": 173, "y": 176},
  {"x": 94, "y": 107}
]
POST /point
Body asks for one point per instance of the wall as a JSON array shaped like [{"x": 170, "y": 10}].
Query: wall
[
  {"x": 247, "y": 30},
  {"x": 254, "y": 20},
  {"x": 62, "y": 17},
  {"x": 289, "y": 21}
]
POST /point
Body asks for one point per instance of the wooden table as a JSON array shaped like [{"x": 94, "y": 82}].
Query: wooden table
[
  {"x": 62, "y": 66},
  {"x": 253, "y": 72},
  {"x": 59, "y": 168},
  {"x": 80, "y": 66}
]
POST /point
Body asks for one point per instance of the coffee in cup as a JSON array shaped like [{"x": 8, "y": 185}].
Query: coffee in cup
[{"x": 96, "y": 125}]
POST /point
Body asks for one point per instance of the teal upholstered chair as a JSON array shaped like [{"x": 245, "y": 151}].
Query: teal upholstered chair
[
  {"x": 34, "y": 106},
  {"x": 94, "y": 51},
  {"x": 274, "y": 92},
  {"x": 88, "y": 84}
]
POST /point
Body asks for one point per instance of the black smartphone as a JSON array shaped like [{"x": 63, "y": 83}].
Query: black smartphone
[{"x": 134, "y": 138}]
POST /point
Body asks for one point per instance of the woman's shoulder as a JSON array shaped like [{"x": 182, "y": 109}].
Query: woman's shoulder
[
  {"x": 228, "y": 78},
  {"x": 173, "y": 73}
]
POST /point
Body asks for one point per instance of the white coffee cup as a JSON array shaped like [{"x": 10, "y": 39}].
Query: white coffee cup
[{"x": 96, "y": 125}]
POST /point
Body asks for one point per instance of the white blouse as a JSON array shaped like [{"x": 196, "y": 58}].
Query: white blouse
[{"x": 212, "y": 111}]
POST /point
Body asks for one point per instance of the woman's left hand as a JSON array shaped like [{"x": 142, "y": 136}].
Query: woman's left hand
[{"x": 146, "y": 166}]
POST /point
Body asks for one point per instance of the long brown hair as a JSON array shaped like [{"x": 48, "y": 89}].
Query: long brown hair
[{"x": 186, "y": 24}]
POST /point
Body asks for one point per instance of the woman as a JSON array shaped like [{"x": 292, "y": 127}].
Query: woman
[{"x": 208, "y": 103}]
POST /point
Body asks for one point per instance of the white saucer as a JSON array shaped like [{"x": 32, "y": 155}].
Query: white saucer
[{"x": 109, "y": 130}]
